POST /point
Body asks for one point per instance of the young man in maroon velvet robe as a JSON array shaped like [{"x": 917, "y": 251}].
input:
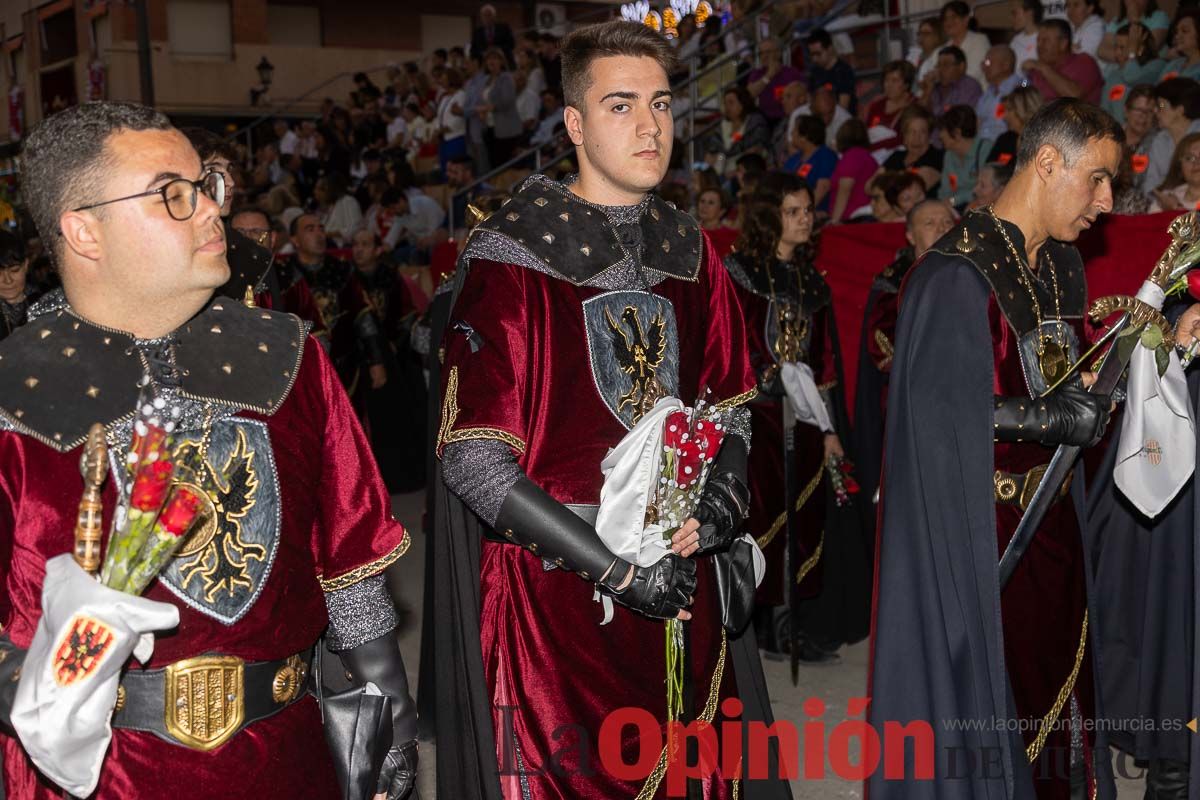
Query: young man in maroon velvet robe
[
  {"x": 302, "y": 532},
  {"x": 990, "y": 318},
  {"x": 547, "y": 366}
]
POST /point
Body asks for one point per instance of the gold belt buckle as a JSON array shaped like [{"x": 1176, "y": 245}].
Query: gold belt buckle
[
  {"x": 1032, "y": 479},
  {"x": 205, "y": 700}
]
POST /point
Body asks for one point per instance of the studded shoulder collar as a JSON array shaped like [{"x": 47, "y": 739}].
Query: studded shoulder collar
[{"x": 60, "y": 374}]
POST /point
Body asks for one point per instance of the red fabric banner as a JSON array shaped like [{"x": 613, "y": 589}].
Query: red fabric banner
[{"x": 1118, "y": 255}]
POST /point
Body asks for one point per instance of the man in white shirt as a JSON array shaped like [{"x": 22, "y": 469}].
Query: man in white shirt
[
  {"x": 825, "y": 106},
  {"x": 286, "y": 136},
  {"x": 416, "y": 219}
]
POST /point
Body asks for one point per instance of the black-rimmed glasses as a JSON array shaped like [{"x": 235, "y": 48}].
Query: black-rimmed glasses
[{"x": 179, "y": 195}]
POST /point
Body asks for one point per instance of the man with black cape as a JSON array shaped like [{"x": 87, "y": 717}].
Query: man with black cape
[
  {"x": 1005, "y": 678},
  {"x": 577, "y": 305}
]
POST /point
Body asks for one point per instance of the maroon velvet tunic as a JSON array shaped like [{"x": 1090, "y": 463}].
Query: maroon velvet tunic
[
  {"x": 554, "y": 673},
  {"x": 335, "y": 529}
]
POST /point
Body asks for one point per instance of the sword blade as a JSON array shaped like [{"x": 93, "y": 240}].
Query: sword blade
[
  {"x": 1060, "y": 466},
  {"x": 792, "y": 560}
]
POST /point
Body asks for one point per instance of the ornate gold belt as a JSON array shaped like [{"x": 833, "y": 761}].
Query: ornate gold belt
[
  {"x": 1016, "y": 489},
  {"x": 202, "y": 702}
]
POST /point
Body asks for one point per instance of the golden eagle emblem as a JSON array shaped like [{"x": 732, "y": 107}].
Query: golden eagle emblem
[{"x": 639, "y": 352}]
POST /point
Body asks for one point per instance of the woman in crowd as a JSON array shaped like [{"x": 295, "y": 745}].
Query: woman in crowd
[
  {"x": 339, "y": 211},
  {"x": 1087, "y": 26},
  {"x": 451, "y": 121},
  {"x": 1019, "y": 107},
  {"x": 893, "y": 195},
  {"x": 789, "y": 320},
  {"x": 1136, "y": 64},
  {"x": 1177, "y": 111},
  {"x": 711, "y": 211},
  {"x": 1183, "y": 59},
  {"x": 856, "y": 165},
  {"x": 527, "y": 63},
  {"x": 992, "y": 180},
  {"x": 1139, "y": 118},
  {"x": 499, "y": 109},
  {"x": 965, "y": 155},
  {"x": 1180, "y": 190},
  {"x": 918, "y": 153},
  {"x": 1143, "y": 13},
  {"x": 15, "y": 294},
  {"x": 1026, "y": 16},
  {"x": 812, "y": 160},
  {"x": 744, "y": 129},
  {"x": 923, "y": 56},
  {"x": 884, "y": 111}
]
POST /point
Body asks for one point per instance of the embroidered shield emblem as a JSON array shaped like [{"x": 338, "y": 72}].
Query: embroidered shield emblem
[
  {"x": 221, "y": 568},
  {"x": 1153, "y": 452},
  {"x": 1053, "y": 334},
  {"x": 633, "y": 347},
  {"x": 81, "y": 650}
]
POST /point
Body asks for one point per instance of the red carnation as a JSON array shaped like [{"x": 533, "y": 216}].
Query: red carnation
[
  {"x": 1140, "y": 162},
  {"x": 150, "y": 486},
  {"x": 674, "y": 429},
  {"x": 1117, "y": 92},
  {"x": 687, "y": 465},
  {"x": 999, "y": 110},
  {"x": 1193, "y": 280},
  {"x": 177, "y": 517}
]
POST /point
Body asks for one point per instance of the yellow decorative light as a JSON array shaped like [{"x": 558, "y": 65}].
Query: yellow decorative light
[
  {"x": 703, "y": 12},
  {"x": 653, "y": 21}
]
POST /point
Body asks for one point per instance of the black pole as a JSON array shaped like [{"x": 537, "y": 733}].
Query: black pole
[{"x": 143, "y": 41}]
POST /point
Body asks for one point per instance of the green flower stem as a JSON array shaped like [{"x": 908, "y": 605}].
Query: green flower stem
[
  {"x": 124, "y": 546},
  {"x": 154, "y": 555}
]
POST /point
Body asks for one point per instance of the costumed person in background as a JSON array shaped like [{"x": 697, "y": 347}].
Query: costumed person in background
[
  {"x": 989, "y": 320},
  {"x": 793, "y": 343},
  {"x": 396, "y": 409},
  {"x": 925, "y": 223},
  {"x": 579, "y": 305},
  {"x": 284, "y": 288},
  {"x": 300, "y": 534},
  {"x": 15, "y": 291},
  {"x": 355, "y": 340}
]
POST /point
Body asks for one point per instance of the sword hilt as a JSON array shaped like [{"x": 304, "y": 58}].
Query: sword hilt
[{"x": 91, "y": 506}]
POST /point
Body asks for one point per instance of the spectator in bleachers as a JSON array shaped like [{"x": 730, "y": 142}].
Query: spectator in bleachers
[
  {"x": 892, "y": 194},
  {"x": 992, "y": 180},
  {"x": 827, "y": 70},
  {"x": 812, "y": 159},
  {"x": 767, "y": 81},
  {"x": 824, "y": 105},
  {"x": 499, "y": 109},
  {"x": 1183, "y": 59},
  {"x": 1143, "y": 13},
  {"x": 743, "y": 129},
  {"x": 1026, "y": 16},
  {"x": 415, "y": 221},
  {"x": 217, "y": 154},
  {"x": 1136, "y": 64},
  {"x": 473, "y": 98},
  {"x": 451, "y": 118},
  {"x": 884, "y": 111},
  {"x": 923, "y": 56},
  {"x": 795, "y": 95},
  {"x": 15, "y": 295},
  {"x": 460, "y": 174},
  {"x": 491, "y": 33},
  {"x": 551, "y": 61},
  {"x": 529, "y": 66},
  {"x": 338, "y": 211},
  {"x": 966, "y": 153},
  {"x": 1139, "y": 115},
  {"x": 749, "y": 170},
  {"x": 855, "y": 167},
  {"x": 1019, "y": 107},
  {"x": 1177, "y": 111},
  {"x": 711, "y": 209},
  {"x": 1087, "y": 26},
  {"x": 1180, "y": 189},
  {"x": 551, "y": 125},
  {"x": 956, "y": 24},
  {"x": 999, "y": 69},
  {"x": 1058, "y": 72},
  {"x": 953, "y": 87},
  {"x": 458, "y": 58},
  {"x": 285, "y": 136},
  {"x": 918, "y": 153},
  {"x": 529, "y": 105}
]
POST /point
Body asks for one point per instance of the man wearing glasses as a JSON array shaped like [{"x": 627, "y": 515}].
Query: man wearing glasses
[{"x": 133, "y": 224}]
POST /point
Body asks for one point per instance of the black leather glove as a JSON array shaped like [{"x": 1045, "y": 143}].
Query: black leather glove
[
  {"x": 659, "y": 591},
  {"x": 379, "y": 662},
  {"x": 1070, "y": 415},
  {"x": 725, "y": 501},
  {"x": 533, "y": 519}
]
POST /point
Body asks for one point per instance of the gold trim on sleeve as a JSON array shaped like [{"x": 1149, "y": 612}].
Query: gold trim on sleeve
[
  {"x": 824, "y": 387},
  {"x": 885, "y": 347},
  {"x": 367, "y": 570},
  {"x": 468, "y": 434},
  {"x": 1035, "y": 748},
  {"x": 450, "y": 409},
  {"x": 739, "y": 400}
]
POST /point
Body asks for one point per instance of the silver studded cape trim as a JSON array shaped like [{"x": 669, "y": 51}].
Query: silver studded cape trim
[
  {"x": 53, "y": 300},
  {"x": 359, "y": 613},
  {"x": 740, "y": 276},
  {"x": 481, "y": 472}
]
